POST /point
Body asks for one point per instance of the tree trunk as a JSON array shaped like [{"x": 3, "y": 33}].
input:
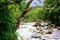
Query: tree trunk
[{"x": 23, "y": 13}]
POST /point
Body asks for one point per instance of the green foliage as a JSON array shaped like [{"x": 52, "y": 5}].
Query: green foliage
[
  {"x": 9, "y": 14},
  {"x": 54, "y": 14},
  {"x": 35, "y": 14},
  {"x": 2, "y": 0},
  {"x": 7, "y": 26},
  {"x": 42, "y": 14},
  {"x": 49, "y": 3},
  {"x": 14, "y": 11}
]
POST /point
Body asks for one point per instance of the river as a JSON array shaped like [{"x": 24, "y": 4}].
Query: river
[{"x": 26, "y": 31}]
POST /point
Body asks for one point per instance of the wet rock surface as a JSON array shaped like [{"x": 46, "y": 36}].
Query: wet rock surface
[{"x": 27, "y": 31}]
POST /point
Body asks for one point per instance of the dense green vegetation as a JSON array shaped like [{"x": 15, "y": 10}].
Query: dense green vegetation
[
  {"x": 7, "y": 19},
  {"x": 9, "y": 14},
  {"x": 35, "y": 14},
  {"x": 11, "y": 11},
  {"x": 53, "y": 14}
]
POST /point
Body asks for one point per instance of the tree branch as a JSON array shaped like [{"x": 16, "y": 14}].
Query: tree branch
[{"x": 24, "y": 12}]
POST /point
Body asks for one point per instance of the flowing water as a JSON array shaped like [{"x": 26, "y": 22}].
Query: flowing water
[{"x": 26, "y": 30}]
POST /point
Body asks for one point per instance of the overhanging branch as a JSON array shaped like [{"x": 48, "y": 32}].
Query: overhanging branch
[{"x": 24, "y": 12}]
